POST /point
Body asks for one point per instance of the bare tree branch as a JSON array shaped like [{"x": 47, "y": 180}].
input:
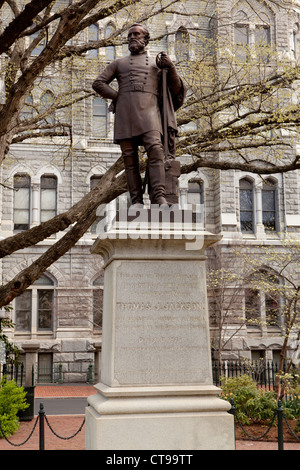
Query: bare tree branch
[{"x": 22, "y": 21}]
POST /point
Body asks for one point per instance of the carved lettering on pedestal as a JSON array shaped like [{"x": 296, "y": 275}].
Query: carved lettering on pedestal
[{"x": 161, "y": 324}]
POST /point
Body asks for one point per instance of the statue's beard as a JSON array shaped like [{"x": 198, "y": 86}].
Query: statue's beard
[{"x": 135, "y": 45}]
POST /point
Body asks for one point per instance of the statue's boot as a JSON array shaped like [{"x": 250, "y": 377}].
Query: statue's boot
[
  {"x": 156, "y": 171},
  {"x": 134, "y": 181}
]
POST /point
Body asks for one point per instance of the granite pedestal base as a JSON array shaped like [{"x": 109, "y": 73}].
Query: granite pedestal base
[{"x": 156, "y": 389}]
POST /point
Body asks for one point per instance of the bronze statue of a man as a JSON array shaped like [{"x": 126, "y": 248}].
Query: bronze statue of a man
[{"x": 137, "y": 110}]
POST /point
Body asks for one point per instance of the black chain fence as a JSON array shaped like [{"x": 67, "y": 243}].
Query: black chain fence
[
  {"x": 279, "y": 414},
  {"x": 41, "y": 419}
]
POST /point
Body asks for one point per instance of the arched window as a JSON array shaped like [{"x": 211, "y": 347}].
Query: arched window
[
  {"x": 269, "y": 204},
  {"x": 182, "y": 44},
  {"x": 262, "y": 38},
  {"x": 195, "y": 192},
  {"x": 48, "y": 197},
  {"x": 47, "y": 101},
  {"x": 246, "y": 206},
  {"x": 196, "y": 199},
  {"x": 93, "y": 36},
  {"x": 45, "y": 290},
  {"x": 241, "y": 39},
  {"x": 241, "y": 35},
  {"x": 262, "y": 299},
  {"x": 99, "y": 117},
  {"x": 252, "y": 35},
  {"x": 95, "y": 180},
  {"x": 110, "y": 51},
  {"x": 252, "y": 307},
  {"x": 34, "y": 308},
  {"x": 21, "y": 201}
]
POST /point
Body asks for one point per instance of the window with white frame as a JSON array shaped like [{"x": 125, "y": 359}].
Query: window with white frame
[
  {"x": 252, "y": 307},
  {"x": 47, "y": 108},
  {"x": 48, "y": 197},
  {"x": 241, "y": 39},
  {"x": 252, "y": 36},
  {"x": 99, "y": 121},
  {"x": 182, "y": 44},
  {"x": 34, "y": 309},
  {"x": 195, "y": 198},
  {"x": 269, "y": 204},
  {"x": 265, "y": 211},
  {"x": 110, "y": 51},
  {"x": 195, "y": 192},
  {"x": 262, "y": 300},
  {"x": 272, "y": 301},
  {"x": 33, "y": 203},
  {"x": 246, "y": 196},
  {"x": 22, "y": 193},
  {"x": 262, "y": 40},
  {"x": 93, "y": 35}
]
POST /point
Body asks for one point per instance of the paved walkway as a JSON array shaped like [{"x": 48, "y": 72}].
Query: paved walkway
[
  {"x": 67, "y": 425},
  {"x": 57, "y": 391}
]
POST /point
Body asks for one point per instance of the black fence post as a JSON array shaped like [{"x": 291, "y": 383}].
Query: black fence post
[
  {"x": 280, "y": 425},
  {"x": 60, "y": 376},
  {"x": 42, "y": 427},
  {"x": 232, "y": 410},
  {"x": 90, "y": 374}
]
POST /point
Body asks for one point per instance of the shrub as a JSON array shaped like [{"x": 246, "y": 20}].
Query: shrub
[
  {"x": 262, "y": 407},
  {"x": 232, "y": 384},
  {"x": 12, "y": 400},
  {"x": 293, "y": 406},
  {"x": 252, "y": 405}
]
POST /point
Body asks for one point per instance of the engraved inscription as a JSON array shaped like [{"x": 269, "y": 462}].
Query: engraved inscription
[{"x": 161, "y": 323}]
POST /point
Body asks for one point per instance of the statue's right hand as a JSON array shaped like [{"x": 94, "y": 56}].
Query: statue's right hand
[
  {"x": 163, "y": 61},
  {"x": 112, "y": 107}
]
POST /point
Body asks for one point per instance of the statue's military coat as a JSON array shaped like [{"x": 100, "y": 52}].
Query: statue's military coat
[{"x": 137, "y": 101}]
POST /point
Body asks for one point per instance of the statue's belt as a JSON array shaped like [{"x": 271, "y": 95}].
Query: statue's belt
[{"x": 137, "y": 87}]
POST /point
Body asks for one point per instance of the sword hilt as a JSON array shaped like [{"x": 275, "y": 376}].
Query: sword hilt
[{"x": 159, "y": 60}]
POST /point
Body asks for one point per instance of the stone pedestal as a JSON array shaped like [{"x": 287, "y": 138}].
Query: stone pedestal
[{"x": 156, "y": 389}]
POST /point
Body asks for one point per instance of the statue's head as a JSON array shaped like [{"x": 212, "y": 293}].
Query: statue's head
[{"x": 138, "y": 38}]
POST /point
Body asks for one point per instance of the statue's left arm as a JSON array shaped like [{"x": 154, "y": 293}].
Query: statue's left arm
[
  {"x": 175, "y": 83},
  {"x": 176, "y": 87}
]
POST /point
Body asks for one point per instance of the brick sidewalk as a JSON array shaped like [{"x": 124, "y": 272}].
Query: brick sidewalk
[{"x": 56, "y": 391}]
